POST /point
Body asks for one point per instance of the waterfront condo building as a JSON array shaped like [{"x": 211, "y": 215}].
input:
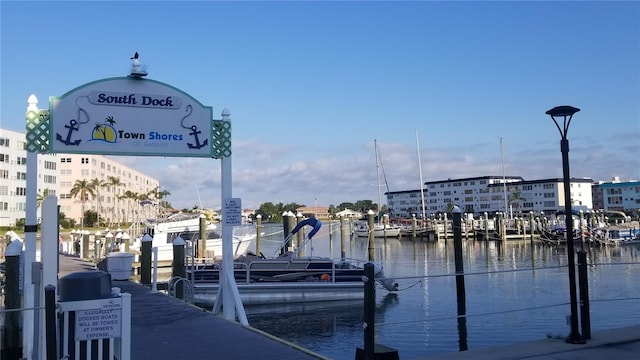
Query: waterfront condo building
[
  {"x": 616, "y": 195},
  {"x": 116, "y": 200},
  {"x": 490, "y": 194},
  {"x": 13, "y": 177}
]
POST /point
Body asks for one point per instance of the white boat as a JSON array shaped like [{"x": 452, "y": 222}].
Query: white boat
[
  {"x": 380, "y": 229},
  {"x": 285, "y": 279},
  {"x": 188, "y": 228},
  {"x": 361, "y": 229},
  {"x": 617, "y": 235}
]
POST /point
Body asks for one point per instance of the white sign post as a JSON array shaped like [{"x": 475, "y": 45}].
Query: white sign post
[{"x": 128, "y": 116}]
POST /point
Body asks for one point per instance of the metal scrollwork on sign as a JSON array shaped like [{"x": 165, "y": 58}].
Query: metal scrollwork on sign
[
  {"x": 221, "y": 139},
  {"x": 38, "y": 130}
]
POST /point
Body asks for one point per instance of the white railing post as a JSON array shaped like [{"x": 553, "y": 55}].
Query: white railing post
[{"x": 154, "y": 282}]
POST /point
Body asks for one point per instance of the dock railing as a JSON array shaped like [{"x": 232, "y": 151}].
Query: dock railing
[{"x": 98, "y": 328}]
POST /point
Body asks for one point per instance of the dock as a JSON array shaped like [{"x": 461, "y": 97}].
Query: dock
[{"x": 166, "y": 328}]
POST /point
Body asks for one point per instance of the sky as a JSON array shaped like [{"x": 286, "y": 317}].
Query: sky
[{"x": 312, "y": 85}]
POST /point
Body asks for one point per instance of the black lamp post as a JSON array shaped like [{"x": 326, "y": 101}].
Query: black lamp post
[{"x": 566, "y": 112}]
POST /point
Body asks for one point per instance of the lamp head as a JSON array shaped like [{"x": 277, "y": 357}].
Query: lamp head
[{"x": 564, "y": 110}]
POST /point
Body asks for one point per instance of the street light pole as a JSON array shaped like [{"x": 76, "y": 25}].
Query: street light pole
[{"x": 566, "y": 113}]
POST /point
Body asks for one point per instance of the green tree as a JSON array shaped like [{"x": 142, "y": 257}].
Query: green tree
[
  {"x": 365, "y": 205},
  {"x": 83, "y": 189},
  {"x": 269, "y": 212},
  {"x": 96, "y": 184},
  {"x": 157, "y": 195},
  {"x": 332, "y": 210},
  {"x": 132, "y": 198},
  {"x": 450, "y": 206},
  {"x": 90, "y": 218},
  {"x": 346, "y": 205},
  {"x": 114, "y": 182},
  {"x": 515, "y": 198},
  {"x": 293, "y": 207}
]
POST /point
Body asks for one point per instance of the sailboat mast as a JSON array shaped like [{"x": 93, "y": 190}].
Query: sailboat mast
[
  {"x": 375, "y": 145},
  {"x": 421, "y": 181},
  {"x": 504, "y": 179}
]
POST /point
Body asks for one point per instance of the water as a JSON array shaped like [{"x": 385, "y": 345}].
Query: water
[{"x": 502, "y": 306}]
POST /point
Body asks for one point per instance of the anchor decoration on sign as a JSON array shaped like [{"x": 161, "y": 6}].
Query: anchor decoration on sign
[
  {"x": 73, "y": 126},
  {"x": 194, "y": 131}
]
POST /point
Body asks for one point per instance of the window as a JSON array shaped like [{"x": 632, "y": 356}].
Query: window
[
  {"x": 49, "y": 165},
  {"x": 548, "y": 186},
  {"x": 4, "y": 174},
  {"x": 21, "y": 175},
  {"x": 49, "y": 179},
  {"x": 4, "y": 190},
  {"x": 614, "y": 200},
  {"x": 4, "y": 158},
  {"x": 84, "y": 160},
  {"x": 20, "y": 191},
  {"x": 4, "y": 142},
  {"x": 21, "y": 161}
]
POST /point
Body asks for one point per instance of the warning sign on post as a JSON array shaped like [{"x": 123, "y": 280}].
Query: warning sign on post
[
  {"x": 98, "y": 324},
  {"x": 232, "y": 214}
]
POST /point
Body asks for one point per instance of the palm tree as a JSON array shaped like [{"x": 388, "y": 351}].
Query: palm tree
[
  {"x": 516, "y": 197},
  {"x": 41, "y": 197},
  {"x": 114, "y": 182},
  {"x": 82, "y": 188},
  {"x": 96, "y": 184},
  {"x": 129, "y": 196},
  {"x": 158, "y": 195}
]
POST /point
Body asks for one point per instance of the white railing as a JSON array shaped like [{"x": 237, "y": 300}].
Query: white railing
[{"x": 99, "y": 327}]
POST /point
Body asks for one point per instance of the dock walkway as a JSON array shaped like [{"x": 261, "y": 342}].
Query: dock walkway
[{"x": 165, "y": 328}]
